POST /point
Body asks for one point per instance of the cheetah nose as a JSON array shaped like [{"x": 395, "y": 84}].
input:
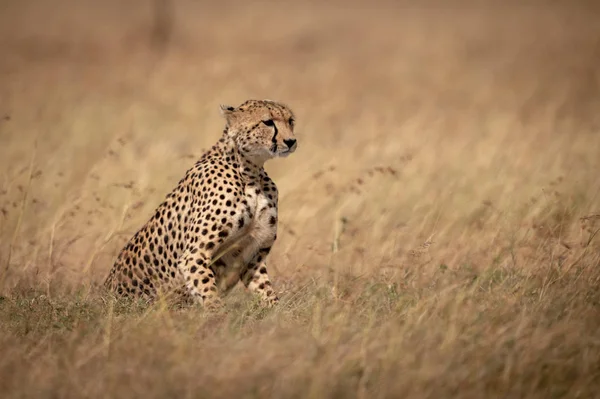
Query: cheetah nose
[{"x": 289, "y": 142}]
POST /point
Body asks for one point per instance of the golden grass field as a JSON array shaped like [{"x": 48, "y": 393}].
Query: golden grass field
[{"x": 439, "y": 222}]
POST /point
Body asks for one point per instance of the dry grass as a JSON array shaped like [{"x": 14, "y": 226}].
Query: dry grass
[{"x": 440, "y": 222}]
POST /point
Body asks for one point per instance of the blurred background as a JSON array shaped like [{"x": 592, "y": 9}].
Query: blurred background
[
  {"x": 411, "y": 115},
  {"x": 439, "y": 224}
]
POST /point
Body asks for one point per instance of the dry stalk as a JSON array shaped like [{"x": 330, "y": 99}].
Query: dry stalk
[{"x": 22, "y": 209}]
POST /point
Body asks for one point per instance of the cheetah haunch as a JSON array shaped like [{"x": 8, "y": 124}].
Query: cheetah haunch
[{"x": 220, "y": 222}]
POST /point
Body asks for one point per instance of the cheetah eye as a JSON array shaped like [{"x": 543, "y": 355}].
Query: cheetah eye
[
  {"x": 291, "y": 121},
  {"x": 269, "y": 122}
]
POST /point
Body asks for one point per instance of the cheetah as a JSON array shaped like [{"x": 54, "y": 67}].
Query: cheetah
[{"x": 217, "y": 226}]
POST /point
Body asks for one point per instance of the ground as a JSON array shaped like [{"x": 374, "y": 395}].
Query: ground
[{"x": 437, "y": 230}]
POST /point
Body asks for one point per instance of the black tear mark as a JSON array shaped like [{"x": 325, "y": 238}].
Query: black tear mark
[{"x": 274, "y": 139}]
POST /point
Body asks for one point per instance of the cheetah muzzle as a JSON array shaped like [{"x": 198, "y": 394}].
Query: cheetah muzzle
[{"x": 219, "y": 223}]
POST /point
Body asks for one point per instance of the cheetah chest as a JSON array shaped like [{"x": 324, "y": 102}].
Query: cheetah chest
[
  {"x": 261, "y": 214},
  {"x": 258, "y": 230}
]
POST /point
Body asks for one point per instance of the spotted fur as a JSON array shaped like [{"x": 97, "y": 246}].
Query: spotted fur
[{"x": 218, "y": 225}]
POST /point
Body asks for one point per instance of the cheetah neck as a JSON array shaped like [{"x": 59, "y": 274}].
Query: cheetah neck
[{"x": 249, "y": 169}]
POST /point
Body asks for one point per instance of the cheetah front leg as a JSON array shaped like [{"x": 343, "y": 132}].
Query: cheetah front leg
[{"x": 256, "y": 278}]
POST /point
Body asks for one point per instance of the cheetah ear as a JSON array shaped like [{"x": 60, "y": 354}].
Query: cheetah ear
[
  {"x": 227, "y": 111},
  {"x": 226, "y": 108}
]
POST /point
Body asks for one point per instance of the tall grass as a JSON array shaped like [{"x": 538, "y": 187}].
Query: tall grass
[{"x": 439, "y": 223}]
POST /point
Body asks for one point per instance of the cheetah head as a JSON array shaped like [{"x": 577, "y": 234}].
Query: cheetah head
[{"x": 261, "y": 129}]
